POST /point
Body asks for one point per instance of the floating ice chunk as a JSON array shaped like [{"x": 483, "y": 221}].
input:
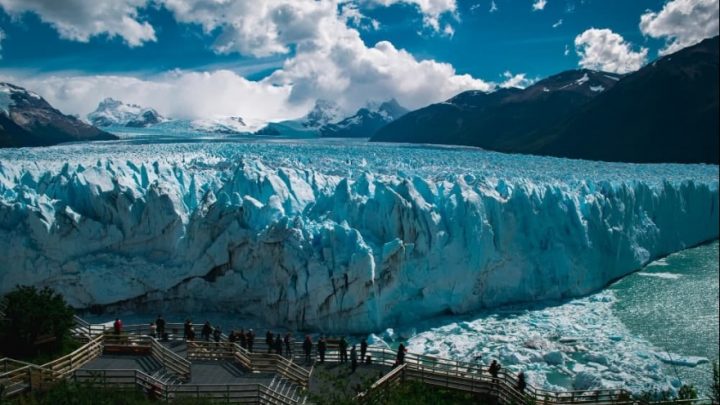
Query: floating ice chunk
[
  {"x": 554, "y": 358},
  {"x": 586, "y": 380},
  {"x": 679, "y": 360},
  {"x": 669, "y": 276}
]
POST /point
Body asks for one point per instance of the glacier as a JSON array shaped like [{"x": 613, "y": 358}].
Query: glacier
[{"x": 335, "y": 236}]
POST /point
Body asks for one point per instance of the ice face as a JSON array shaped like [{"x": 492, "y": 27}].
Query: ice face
[{"x": 335, "y": 236}]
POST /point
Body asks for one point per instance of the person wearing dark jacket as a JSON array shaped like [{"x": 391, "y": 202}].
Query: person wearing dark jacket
[
  {"x": 187, "y": 327},
  {"x": 400, "y": 358},
  {"x": 217, "y": 334},
  {"x": 521, "y": 383},
  {"x": 160, "y": 325},
  {"x": 343, "y": 350},
  {"x": 307, "y": 347},
  {"x": 363, "y": 349},
  {"x": 494, "y": 370},
  {"x": 322, "y": 348},
  {"x": 269, "y": 341},
  {"x": 278, "y": 345},
  {"x": 206, "y": 331},
  {"x": 250, "y": 340},
  {"x": 288, "y": 344},
  {"x": 353, "y": 359},
  {"x": 242, "y": 337}
]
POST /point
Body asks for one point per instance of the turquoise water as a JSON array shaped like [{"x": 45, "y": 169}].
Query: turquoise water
[{"x": 673, "y": 303}]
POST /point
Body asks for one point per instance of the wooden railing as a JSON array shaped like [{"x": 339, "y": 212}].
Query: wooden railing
[
  {"x": 229, "y": 393},
  {"x": 140, "y": 343},
  {"x": 379, "y": 392},
  {"x": 257, "y": 362}
]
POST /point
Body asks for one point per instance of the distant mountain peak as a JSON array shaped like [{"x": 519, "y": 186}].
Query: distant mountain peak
[
  {"x": 323, "y": 112},
  {"x": 112, "y": 112}
]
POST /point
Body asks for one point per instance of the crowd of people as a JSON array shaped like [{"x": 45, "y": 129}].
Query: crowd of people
[{"x": 283, "y": 345}]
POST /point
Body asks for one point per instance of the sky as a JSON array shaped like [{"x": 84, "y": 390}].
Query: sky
[{"x": 271, "y": 59}]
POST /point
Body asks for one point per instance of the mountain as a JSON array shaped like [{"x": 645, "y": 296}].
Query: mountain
[
  {"x": 496, "y": 120},
  {"x": 665, "y": 112},
  {"x": 26, "y": 119},
  {"x": 323, "y": 113},
  {"x": 111, "y": 112},
  {"x": 365, "y": 122}
]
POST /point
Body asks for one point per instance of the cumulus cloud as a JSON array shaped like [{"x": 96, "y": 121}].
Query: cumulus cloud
[
  {"x": 80, "y": 20},
  {"x": 681, "y": 23},
  {"x": 519, "y": 80},
  {"x": 330, "y": 60},
  {"x": 539, "y": 5},
  {"x": 431, "y": 9},
  {"x": 177, "y": 94},
  {"x": 602, "y": 49}
]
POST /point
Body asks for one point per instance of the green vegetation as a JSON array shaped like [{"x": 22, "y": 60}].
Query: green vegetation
[
  {"x": 415, "y": 393},
  {"x": 88, "y": 394},
  {"x": 37, "y": 322}
]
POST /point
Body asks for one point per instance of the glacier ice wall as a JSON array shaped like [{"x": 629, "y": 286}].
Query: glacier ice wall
[{"x": 335, "y": 237}]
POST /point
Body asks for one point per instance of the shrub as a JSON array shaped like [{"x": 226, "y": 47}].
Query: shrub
[{"x": 31, "y": 314}]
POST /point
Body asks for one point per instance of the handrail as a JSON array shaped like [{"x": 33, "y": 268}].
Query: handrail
[{"x": 170, "y": 360}]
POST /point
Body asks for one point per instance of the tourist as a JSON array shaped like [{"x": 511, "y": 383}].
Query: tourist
[
  {"x": 278, "y": 345},
  {"x": 160, "y": 325},
  {"x": 191, "y": 334},
  {"x": 187, "y": 327},
  {"x": 206, "y": 331},
  {"x": 288, "y": 344},
  {"x": 307, "y": 348},
  {"x": 363, "y": 349},
  {"x": 217, "y": 334},
  {"x": 322, "y": 348},
  {"x": 343, "y": 350},
  {"x": 494, "y": 370},
  {"x": 269, "y": 341},
  {"x": 242, "y": 337},
  {"x": 117, "y": 326},
  {"x": 232, "y": 337},
  {"x": 250, "y": 340},
  {"x": 353, "y": 358},
  {"x": 153, "y": 329},
  {"x": 521, "y": 384},
  {"x": 400, "y": 358}
]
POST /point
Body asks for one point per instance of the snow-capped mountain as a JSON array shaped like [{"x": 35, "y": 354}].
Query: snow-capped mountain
[
  {"x": 111, "y": 112},
  {"x": 664, "y": 112},
  {"x": 324, "y": 112},
  {"x": 325, "y": 120},
  {"x": 26, "y": 119},
  {"x": 365, "y": 122}
]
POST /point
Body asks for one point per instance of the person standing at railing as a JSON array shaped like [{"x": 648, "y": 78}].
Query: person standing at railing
[
  {"x": 269, "y": 341},
  {"x": 494, "y": 369},
  {"x": 160, "y": 325},
  {"x": 353, "y": 359},
  {"x": 400, "y": 358},
  {"x": 206, "y": 331},
  {"x": 343, "y": 350},
  {"x": 521, "y": 384},
  {"x": 117, "y": 326},
  {"x": 288, "y": 344},
  {"x": 307, "y": 348},
  {"x": 322, "y": 348},
  {"x": 250, "y": 340},
  {"x": 153, "y": 329},
  {"x": 242, "y": 337},
  {"x": 363, "y": 349},
  {"x": 188, "y": 330},
  {"x": 278, "y": 345},
  {"x": 217, "y": 334}
]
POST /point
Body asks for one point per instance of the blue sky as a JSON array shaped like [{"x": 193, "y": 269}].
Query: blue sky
[{"x": 466, "y": 44}]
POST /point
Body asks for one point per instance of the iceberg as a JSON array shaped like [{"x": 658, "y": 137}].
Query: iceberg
[{"x": 335, "y": 236}]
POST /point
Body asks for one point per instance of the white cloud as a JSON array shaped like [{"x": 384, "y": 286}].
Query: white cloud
[
  {"x": 493, "y": 6},
  {"x": 431, "y": 9},
  {"x": 177, "y": 94},
  {"x": 519, "y": 80},
  {"x": 567, "y": 50},
  {"x": 539, "y": 5},
  {"x": 682, "y": 23},
  {"x": 79, "y": 20},
  {"x": 602, "y": 49},
  {"x": 558, "y": 23}
]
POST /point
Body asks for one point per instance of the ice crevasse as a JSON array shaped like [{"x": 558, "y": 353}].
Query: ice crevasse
[{"x": 331, "y": 248}]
